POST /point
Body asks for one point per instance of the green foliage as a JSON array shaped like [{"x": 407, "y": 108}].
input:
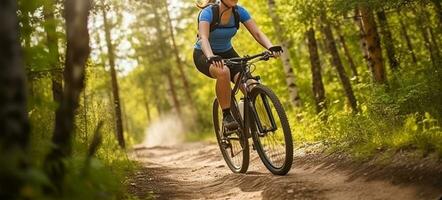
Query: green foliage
[
  {"x": 99, "y": 177},
  {"x": 404, "y": 114},
  {"x": 390, "y": 118},
  {"x": 103, "y": 175}
]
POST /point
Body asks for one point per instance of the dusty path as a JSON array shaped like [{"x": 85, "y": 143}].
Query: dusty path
[{"x": 198, "y": 171}]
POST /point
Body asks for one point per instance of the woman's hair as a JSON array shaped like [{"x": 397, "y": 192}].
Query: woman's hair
[{"x": 205, "y": 4}]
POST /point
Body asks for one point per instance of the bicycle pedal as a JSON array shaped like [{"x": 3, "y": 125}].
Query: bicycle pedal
[{"x": 225, "y": 144}]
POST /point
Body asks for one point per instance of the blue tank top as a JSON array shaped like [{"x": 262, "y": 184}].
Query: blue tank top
[{"x": 220, "y": 39}]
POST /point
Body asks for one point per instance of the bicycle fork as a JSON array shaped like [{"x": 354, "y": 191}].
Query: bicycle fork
[{"x": 261, "y": 129}]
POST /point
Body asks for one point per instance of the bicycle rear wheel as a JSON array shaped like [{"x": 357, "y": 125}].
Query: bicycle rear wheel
[
  {"x": 273, "y": 141},
  {"x": 234, "y": 146}
]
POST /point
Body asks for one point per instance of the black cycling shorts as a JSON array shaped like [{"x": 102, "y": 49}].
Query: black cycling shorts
[{"x": 202, "y": 65}]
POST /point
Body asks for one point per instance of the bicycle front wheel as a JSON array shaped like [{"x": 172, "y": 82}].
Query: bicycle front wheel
[
  {"x": 234, "y": 146},
  {"x": 271, "y": 131}
]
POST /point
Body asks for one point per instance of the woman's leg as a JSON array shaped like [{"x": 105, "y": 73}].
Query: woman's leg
[
  {"x": 223, "y": 91},
  {"x": 222, "y": 88},
  {"x": 222, "y": 76}
]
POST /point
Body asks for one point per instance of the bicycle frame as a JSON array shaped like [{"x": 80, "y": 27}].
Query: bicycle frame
[
  {"x": 259, "y": 102},
  {"x": 242, "y": 80}
]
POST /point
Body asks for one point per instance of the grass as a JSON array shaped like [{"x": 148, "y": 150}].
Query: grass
[{"x": 383, "y": 123}]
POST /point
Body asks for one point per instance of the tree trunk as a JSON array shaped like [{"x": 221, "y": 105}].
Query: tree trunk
[
  {"x": 362, "y": 35},
  {"x": 50, "y": 26},
  {"x": 14, "y": 123},
  {"x": 333, "y": 50},
  {"x": 426, "y": 37},
  {"x": 77, "y": 53},
  {"x": 433, "y": 37},
  {"x": 435, "y": 44},
  {"x": 347, "y": 52},
  {"x": 173, "y": 92},
  {"x": 388, "y": 40},
  {"x": 420, "y": 23},
  {"x": 407, "y": 38},
  {"x": 373, "y": 45},
  {"x": 146, "y": 106},
  {"x": 114, "y": 81},
  {"x": 158, "y": 107},
  {"x": 180, "y": 65},
  {"x": 318, "y": 86},
  {"x": 288, "y": 69},
  {"x": 163, "y": 54},
  {"x": 108, "y": 86},
  {"x": 438, "y": 8}
]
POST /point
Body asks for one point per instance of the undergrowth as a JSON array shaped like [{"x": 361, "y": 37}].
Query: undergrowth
[
  {"x": 101, "y": 176},
  {"x": 403, "y": 115}
]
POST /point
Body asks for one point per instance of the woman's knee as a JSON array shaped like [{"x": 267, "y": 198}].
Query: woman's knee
[{"x": 220, "y": 73}]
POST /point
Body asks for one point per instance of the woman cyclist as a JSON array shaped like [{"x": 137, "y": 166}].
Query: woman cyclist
[{"x": 214, "y": 44}]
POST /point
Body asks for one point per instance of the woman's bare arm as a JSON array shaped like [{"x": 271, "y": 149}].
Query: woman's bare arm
[
  {"x": 203, "y": 32},
  {"x": 259, "y": 36}
]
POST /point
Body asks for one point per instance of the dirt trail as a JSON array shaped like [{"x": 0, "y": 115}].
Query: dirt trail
[{"x": 198, "y": 171}]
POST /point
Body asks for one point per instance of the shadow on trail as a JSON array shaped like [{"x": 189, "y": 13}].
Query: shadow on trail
[
  {"x": 252, "y": 184},
  {"x": 398, "y": 170},
  {"x": 198, "y": 171}
]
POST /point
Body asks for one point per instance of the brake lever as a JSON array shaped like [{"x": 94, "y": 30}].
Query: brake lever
[{"x": 267, "y": 56}]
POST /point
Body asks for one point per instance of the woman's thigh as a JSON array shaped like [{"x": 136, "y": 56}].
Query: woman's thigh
[
  {"x": 233, "y": 70},
  {"x": 201, "y": 64}
]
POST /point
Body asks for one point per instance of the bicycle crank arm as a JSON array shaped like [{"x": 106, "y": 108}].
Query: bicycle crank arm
[{"x": 230, "y": 132}]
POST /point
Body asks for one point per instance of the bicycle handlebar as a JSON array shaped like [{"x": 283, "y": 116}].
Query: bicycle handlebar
[{"x": 244, "y": 60}]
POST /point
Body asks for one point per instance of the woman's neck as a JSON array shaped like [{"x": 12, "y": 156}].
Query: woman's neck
[{"x": 223, "y": 7}]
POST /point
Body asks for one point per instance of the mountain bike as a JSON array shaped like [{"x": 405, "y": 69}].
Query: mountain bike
[{"x": 260, "y": 116}]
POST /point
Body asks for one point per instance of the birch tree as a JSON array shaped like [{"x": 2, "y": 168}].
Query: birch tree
[
  {"x": 285, "y": 57},
  {"x": 373, "y": 45}
]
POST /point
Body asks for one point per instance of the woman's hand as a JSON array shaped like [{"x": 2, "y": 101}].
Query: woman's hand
[
  {"x": 216, "y": 61},
  {"x": 276, "y": 50}
]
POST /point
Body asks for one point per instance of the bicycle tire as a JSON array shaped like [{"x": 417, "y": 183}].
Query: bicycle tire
[
  {"x": 242, "y": 163},
  {"x": 263, "y": 152}
]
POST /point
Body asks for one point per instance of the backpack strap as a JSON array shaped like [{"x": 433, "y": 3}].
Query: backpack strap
[
  {"x": 236, "y": 16},
  {"x": 215, "y": 17},
  {"x": 216, "y": 20}
]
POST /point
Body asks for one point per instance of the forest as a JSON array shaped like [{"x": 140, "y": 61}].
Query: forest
[{"x": 84, "y": 82}]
